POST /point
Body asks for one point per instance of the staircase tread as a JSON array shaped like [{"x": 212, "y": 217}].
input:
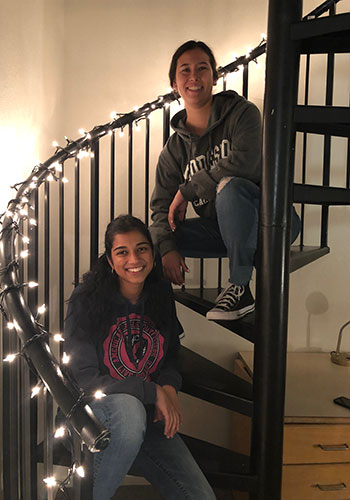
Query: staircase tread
[
  {"x": 203, "y": 300},
  {"x": 320, "y": 195},
  {"x": 205, "y": 379},
  {"x": 321, "y": 26},
  {"x": 322, "y": 114},
  {"x": 216, "y": 459}
]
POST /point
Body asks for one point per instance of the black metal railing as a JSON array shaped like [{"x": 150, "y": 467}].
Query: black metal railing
[
  {"x": 31, "y": 215},
  {"x": 56, "y": 218}
]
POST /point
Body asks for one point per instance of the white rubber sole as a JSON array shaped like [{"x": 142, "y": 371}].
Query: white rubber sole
[{"x": 229, "y": 315}]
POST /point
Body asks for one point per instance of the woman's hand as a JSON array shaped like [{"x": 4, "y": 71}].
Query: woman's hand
[
  {"x": 168, "y": 409},
  {"x": 173, "y": 265},
  {"x": 177, "y": 209}
]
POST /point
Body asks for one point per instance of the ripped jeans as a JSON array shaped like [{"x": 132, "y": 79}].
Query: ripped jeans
[{"x": 234, "y": 234}]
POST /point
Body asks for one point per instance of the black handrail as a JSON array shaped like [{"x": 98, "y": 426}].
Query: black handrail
[{"x": 35, "y": 346}]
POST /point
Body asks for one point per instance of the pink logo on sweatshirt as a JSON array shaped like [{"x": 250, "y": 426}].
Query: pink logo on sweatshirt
[{"x": 128, "y": 353}]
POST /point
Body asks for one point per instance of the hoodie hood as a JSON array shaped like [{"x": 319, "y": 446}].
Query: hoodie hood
[{"x": 223, "y": 104}]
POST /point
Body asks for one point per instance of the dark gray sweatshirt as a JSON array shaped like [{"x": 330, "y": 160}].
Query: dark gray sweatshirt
[
  {"x": 134, "y": 354},
  {"x": 230, "y": 146}
]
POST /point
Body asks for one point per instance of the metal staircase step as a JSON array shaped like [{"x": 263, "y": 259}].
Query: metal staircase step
[
  {"x": 332, "y": 120},
  {"x": 301, "y": 256},
  {"x": 223, "y": 467},
  {"x": 202, "y": 300},
  {"x": 320, "y": 195},
  {"x": 323, "y": 35},
  {"x": 206, "y": 380}
]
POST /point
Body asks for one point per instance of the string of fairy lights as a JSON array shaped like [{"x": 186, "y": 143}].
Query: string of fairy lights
[{"x": 19, "y": 208}]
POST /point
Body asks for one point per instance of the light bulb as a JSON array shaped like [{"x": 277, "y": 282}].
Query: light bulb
[
  {"x": 58, "y": 337},
  {"x": 32, "y": 222},
  {"x": 25, "y": 239},
  {"x": 55, "y": 144},
  {"x": 10, "y": 357},
  {"x": 113, "y": 115},
  {"x": 41, "y": 309},
  {"x": 65, "y": 180},
  {"x": 10, "y": 325},
  {"x": 50, "y": 481},
  {"x": 32, "y": 284},
  {"x": 80, "y": 471},
  {"x": 121, "y": 133},
  {"x": 60, "y": 432},
  {"x": 24, "y": 254},
  {"x": 65, "y": 358},
  {"x": 35, "y": 391},
  {"x": 99, "y": 394},
  {"x": 81, "y": 131}
]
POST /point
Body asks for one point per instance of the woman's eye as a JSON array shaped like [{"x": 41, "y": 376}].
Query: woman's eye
[{"x": 121, "y": 252}]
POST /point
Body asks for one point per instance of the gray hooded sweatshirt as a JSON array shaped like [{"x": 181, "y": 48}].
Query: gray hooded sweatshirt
[{"x": 229, "y": 147}]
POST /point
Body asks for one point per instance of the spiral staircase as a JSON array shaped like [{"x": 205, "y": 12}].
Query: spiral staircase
[{"x": 29, "y": 214}]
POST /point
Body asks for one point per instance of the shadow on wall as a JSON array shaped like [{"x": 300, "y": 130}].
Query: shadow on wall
[{"x": 316, "y": 303}]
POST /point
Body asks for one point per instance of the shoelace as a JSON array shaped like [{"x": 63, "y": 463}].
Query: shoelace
[{"x": 231, "y": 296}]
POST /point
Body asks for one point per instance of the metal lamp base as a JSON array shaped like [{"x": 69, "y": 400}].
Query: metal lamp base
[{"x": 340, "y": 358}]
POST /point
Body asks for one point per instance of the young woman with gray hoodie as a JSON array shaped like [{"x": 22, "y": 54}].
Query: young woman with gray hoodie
[{"x": 213, "y": 160}]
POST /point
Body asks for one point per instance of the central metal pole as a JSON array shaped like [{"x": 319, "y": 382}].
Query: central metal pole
[{"x": 282, "y": 65}]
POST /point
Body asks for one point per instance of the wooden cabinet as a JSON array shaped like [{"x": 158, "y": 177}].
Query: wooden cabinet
[{"x": 316, "y": 452}]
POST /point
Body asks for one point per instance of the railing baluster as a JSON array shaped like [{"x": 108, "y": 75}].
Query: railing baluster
[
  {"x": 303, "y": 180},
  {"x": 166, "y": 123},
  {"x": 224, "y": 82},
  {"x": 11, "y": 405},
  {"x": 201, "y": 276},
  {"x": 348, "y": 166},
  {"x": 219, "y": 273},
  {"x": 48, "y": 440},
  {"x": 112, "y": 177},
  {"x": 32, "y": 271},
  {"x": 48, "y": 402},
  {"x": 76, "y": 221},
  {"x": 147, "y": 149},
  {"x": 130, "y": 165},
  {"x": 94, "y": 197},
  {"x": 24, "y": 401},
  {"x": 245, "y": 80},
  {"x": 327, "y": 146},
  {"x": 47, "y": 254},
  {"x": 61, "y": 252}
]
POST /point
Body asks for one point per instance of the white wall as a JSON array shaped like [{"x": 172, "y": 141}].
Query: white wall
[{"x": 31, "y": 38}]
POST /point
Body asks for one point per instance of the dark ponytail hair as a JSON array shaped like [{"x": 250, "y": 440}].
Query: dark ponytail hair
[
  {"x": 100, "y": 288},
  {"x": 191, "y": 45}
]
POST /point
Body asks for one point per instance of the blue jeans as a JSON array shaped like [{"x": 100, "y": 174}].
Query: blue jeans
[
  {"x": 235, "y": 232},
  {"x": 140, "y": 445}
]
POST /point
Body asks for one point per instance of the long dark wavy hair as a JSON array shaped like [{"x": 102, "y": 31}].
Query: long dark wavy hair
[{"x": 100, "y": 288}]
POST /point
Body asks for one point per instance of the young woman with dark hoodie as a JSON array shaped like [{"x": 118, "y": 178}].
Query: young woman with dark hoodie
[
  {"x": 214, "y": 161},
  {"x": 122, "y": 334}
]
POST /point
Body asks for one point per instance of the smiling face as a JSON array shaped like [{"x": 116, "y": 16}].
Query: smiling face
[
  {"x": 132, "y": 259},
  {"x": 194, "y": 78}
]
